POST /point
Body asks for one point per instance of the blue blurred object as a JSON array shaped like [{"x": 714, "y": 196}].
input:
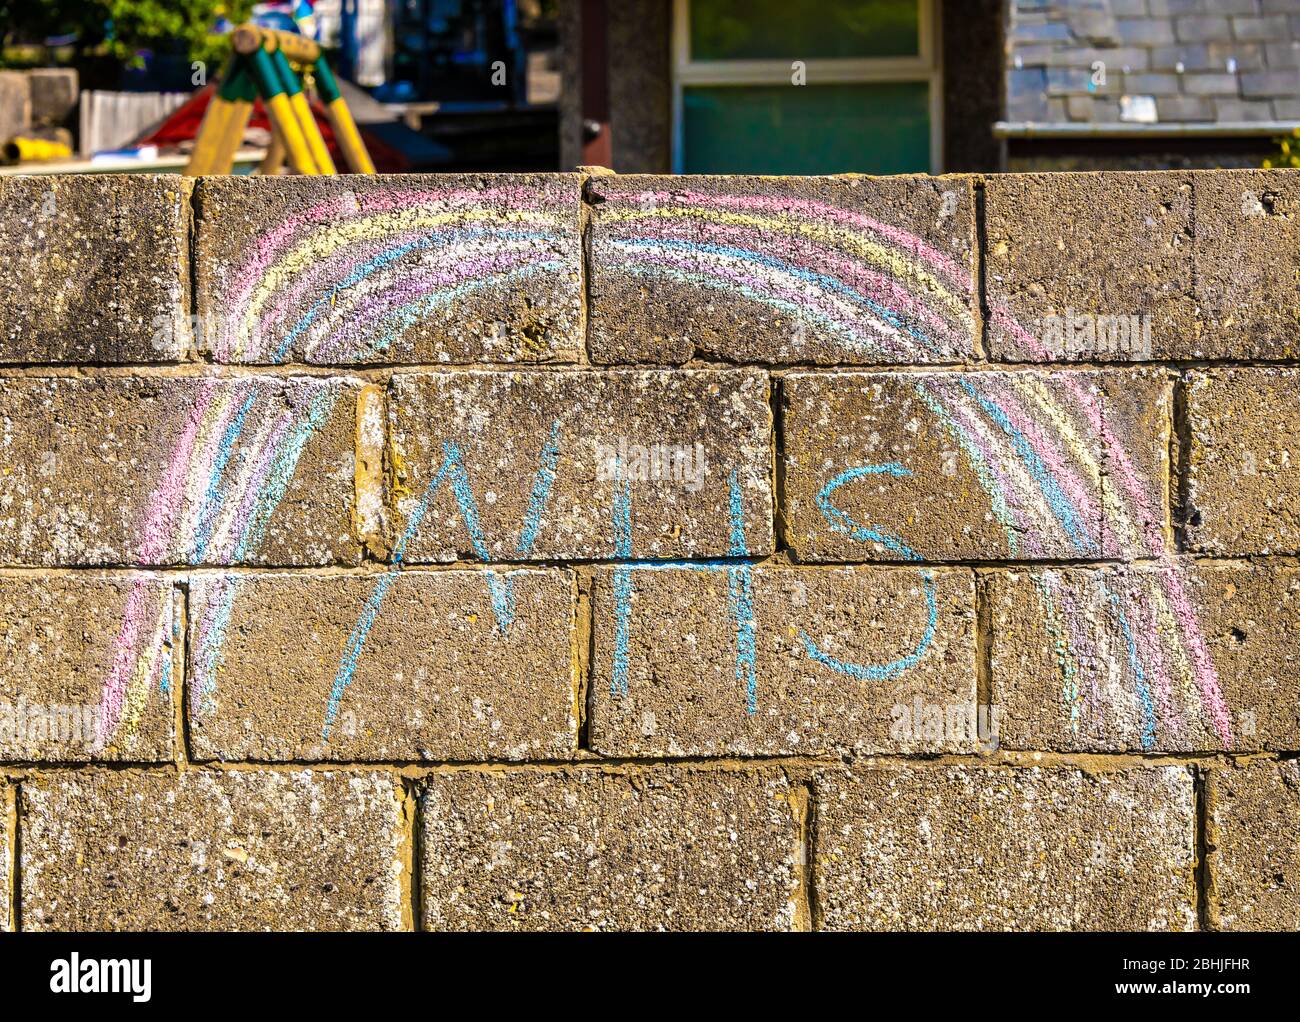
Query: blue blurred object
[
  {"x": 287, "y": 16},
  {"x": 274, "y": 19},
  {"x": 455, "y": 51},
  {"x": 394, "y": 92}
]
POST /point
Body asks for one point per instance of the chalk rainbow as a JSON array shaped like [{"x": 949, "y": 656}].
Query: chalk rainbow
[
  {"x": 868, "y": 285},
  {"x": 231, "y": 466},
  {"x": 885, "y": 293},
  {"x": 346, "y": 278}
]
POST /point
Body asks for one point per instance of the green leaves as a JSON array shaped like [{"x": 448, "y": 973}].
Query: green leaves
[{"x": 124, "y": 28}]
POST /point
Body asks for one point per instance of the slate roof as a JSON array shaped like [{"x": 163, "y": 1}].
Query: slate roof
[{"x": 1198, "y": 61}]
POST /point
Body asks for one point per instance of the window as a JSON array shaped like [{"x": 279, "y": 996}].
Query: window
[{"x": 870, "y": 105}]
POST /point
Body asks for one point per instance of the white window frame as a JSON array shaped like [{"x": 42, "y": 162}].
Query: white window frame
[{"x": 925, "y": 67}]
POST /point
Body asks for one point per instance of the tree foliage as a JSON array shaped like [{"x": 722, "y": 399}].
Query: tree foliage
[
  {"x": 123, "y": 28},
  {"x": 1288, "y": 154}
]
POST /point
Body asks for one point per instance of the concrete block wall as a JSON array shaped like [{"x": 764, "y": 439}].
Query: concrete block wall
[{"x": 591, "y": 551}]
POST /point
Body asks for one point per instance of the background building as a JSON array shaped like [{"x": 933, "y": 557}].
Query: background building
[
  {"x": 915, "y": 85},
  {"x": 1149, "y": 83},
  {"x": 723, "y": 86}
]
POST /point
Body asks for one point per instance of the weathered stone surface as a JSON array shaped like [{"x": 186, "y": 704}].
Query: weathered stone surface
[
  {"x": 1254, "y": 861},
  {"x": 660, "y": 850},
  {"x": 1208, "y": 262},
  {"x": 177, "y": 470},
  {"x": 15, "y": 104},
  {"x": 548, "y": 582},
  {"x": 370, "y": 516},
  {"x": 547, "y": 458},
  {"x": 6, "y": 867},
  {"x": 1248, "y": 263},
  {"x": 410, "y": 268},
  {"x": 839, "y": 660},
  {"x": 1089, "y": 245},
  {"x": 211, "y": 851},
  {"x": 86, "y": 668},
  {"x": 978, "y": 466},
  {"x": 1103, "y": 660},
  {"x": 55, "y": 91},
  {"x": 1244, "y": 478},
  {"x": 829, "y": 270},
  {"x": 449, "y": 665},
  {"x": 96, "y": 268},
  {"x": 957, "y": 848}
]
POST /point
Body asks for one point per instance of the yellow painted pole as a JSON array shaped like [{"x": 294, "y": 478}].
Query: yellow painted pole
[
  {"x": 281, "y": 113},
  {"x": 274, "y": 158},
  {"x": 207, "y": 143},
  {"x": 349, "y": 138},
  {"x": 211, "y": 141},
  {"x": 345, "y": 128},
  {"x": 320, "y": 153},
  {"x": 232, "y": 137},
  {"x": 239, "y": 92}
]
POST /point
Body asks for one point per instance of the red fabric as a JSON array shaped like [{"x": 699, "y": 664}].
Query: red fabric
[{"x": 183, "y": 126}]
